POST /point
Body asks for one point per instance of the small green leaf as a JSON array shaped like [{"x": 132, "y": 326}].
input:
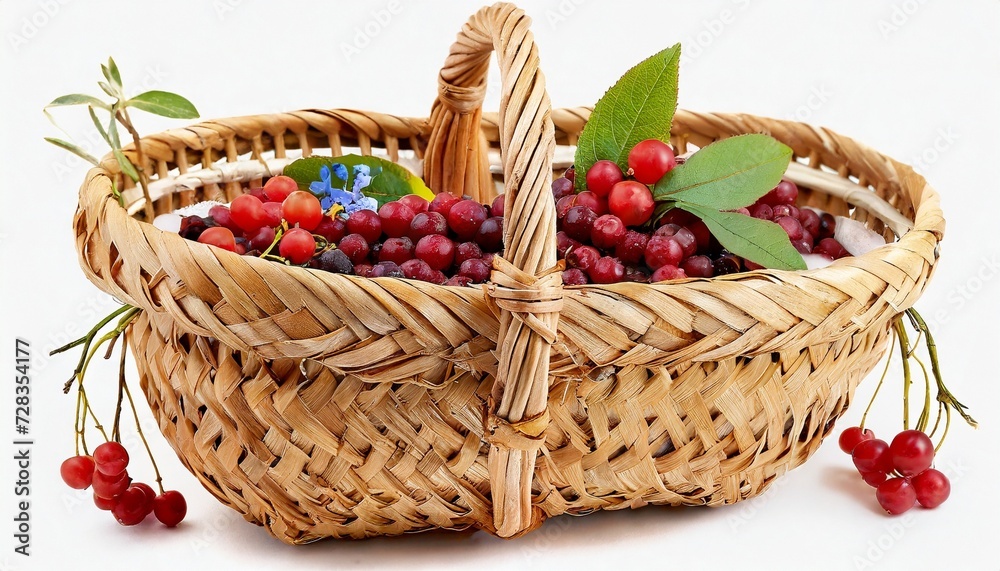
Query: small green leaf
[
  {"x": 392, "y": 183},
  {"x": 108, "y": 89},
  {"x": 165, "y": 104},
  {"x": 73, "y": 149},
  {"x": 727, "y": 174},
  {"x": 127, "y": 167},
  {"x": 113, "y": 74},
  {"x": 759, "y": 241},
  {"x": 639, "y": 106},
  {"x": 78, "y": 99},
  {"x": 114, "y": 140},
  {"x": 100, "y": 128}
]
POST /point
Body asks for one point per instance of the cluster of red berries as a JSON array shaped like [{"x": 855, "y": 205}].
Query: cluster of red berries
[
  {"x": 604, "y": 235},
  {"x": 900, "y": 472},
  {"x": 130, "y": 502},
  {"x": 449, "y": 240}
]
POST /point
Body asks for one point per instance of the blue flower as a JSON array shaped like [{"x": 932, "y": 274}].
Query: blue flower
[{"x": 331, "y": 196}]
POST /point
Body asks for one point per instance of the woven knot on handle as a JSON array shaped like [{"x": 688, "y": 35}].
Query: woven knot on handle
[
  {"x": 461, "y": 99},
  {"x": 522, "y": 435},
  {"x": 526, "y": 296}
]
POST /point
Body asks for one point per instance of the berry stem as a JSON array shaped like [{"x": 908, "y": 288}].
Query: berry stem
[
  {"x": 944, "y": 395},
  {"x": 904, "y": 348},
  {"x": 86, "y": 340},
  {"x": 115, "y": 428},
  {"x": 885, "y": 371},
  {"x": 138, "y": 428}
]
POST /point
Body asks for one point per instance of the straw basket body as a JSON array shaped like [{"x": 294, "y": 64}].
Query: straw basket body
[{"x": 325, "y": 405}]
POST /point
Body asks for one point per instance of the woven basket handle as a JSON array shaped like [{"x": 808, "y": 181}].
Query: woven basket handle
[{"x": 526, "y": 288}]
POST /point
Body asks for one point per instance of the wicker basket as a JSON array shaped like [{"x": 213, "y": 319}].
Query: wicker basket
[{"x": 324, "y": 405}]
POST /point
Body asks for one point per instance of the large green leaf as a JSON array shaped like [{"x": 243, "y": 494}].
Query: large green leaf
[
  {"x": 759, "y": 241},
  {"x": 639, "y": 106},
  {"x": 727, "y": 174},
  {"x": 78, "y": 99},
  {"x": 164, "y": 103},
  {"x": 392, "y": 182}
]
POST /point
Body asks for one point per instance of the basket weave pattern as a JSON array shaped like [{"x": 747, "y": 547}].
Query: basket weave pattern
[{"x": 324, "y": 405}]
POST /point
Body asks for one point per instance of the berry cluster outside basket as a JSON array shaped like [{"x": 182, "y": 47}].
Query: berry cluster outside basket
[{"x": 326, "y": 405}]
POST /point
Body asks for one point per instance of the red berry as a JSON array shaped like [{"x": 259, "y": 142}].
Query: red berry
[
  {"x": 262, "y": 239},
  {"x": 498, "y": 206},
  {"x": 872, "y": 456},
  {"x": 475, "y": 270},
  {"x": 649, "y": 160},
  {"x": 438, "y": 251},
  {"x": 363, "y": 270},
  {"x": 105, "y": 504},
  {"x": 297, "y": 246},
  {"x": 396, "y": 250},
  {"x": 333, "y": 228},
  {"x": 632, "y": 247},
  {"x": 417, "y": 269},
  {"x": 560, "y": 187},
  {"x": 830, "y": 247},
  {"x": 258, "y": 193},
  {"x": 574, "y": 277},
  {"x": 584, "y": 258},
  {"x": 602, "y": 176},
  {"x": 607, "y": 270},
  {"x": 130, "y": 509},
  {"x": 804, "y": 245},
  {"x": 458, "y": 281},
  {"x": 667, "y": 272},
  {"x": 596, "y": 203},
  {"x": 853, "y": 436},
  {"x": 810, "y": 221},
  {"x": 427, "y": 223},
  {"x": 698, "y": 267},
  {"x": 490, "y": 234},
  {"x": 111, "y": 458},
  {"x": 896, "y": 495},
  {"x": 632, "y": 202},
  {"x": 564, "y": 243},
  {"x": 607, "y": 232},
  {"x": 762, "y": 211},
  {"x": 272, "y": 214},
  {"x": 247, "y": 211},
  {"x": 277, "y": 188},
  {"x": 77, "y": 472},
  {"x": 873, "y": 479},
  {"x": 110, "y": 486},
  {"x": 563, "y": 205},
  {"x": 467, "y": 251},
  {"x": 170, "y": 508},
  {"x": 416, "y": 203},
  {"x": 150, "y": 496},
  {"x": 638, "y": 275},
  {"x": 791, "y": 226},
  {"x": 220, "y": 237},
  {"x": 701, "y": 234},
  {"x": 786, "y": 210},
  {"x": 663, "y": 251},
  {"x": 684, "y": 237},
  {"x": 395, "y": 218},
  {"x": 579, "y": 222},
  {"x": 367, "y": 223},
  {"x": 224, "y": 217},
  {"x": 678, "y": 217},
  {"x": 570, "y": 174},
  {"x": 443, "y": 202},
  {"x": 932, "y": 488},
  {"x": 302, "y": 209},
  {"x": 912, "y": 452},
  {"x": 827, "y": 226},
  {"x": 785, "y": 193},
  {"x": 386, "y": 270},
  {"x": 356, "y": 248}
]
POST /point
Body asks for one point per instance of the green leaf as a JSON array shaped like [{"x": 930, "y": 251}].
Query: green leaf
[
  {"x": 113, "y": 140},
  {"x": 164, "y": 103},
  {"x": 78, "y": 99},
  {"x": 639, "y": 106},
  {"x": 112, "y": 73},
  {"x": 73, "y": 149},
  {"x": 759, "y": 241},
  {"x": 127, "y": 167},
  {"x": 108, "y": 89},
  {"x": 100, "y": 128},
  {"x": 727, "y": 174},
  {"x": 392, "y": 183}
]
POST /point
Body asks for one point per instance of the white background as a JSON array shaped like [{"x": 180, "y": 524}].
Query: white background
[{"x": 917, "y": 80}]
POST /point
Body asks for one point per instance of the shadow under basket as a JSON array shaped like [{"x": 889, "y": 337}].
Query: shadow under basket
[{"x": 325, "y": 405}]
